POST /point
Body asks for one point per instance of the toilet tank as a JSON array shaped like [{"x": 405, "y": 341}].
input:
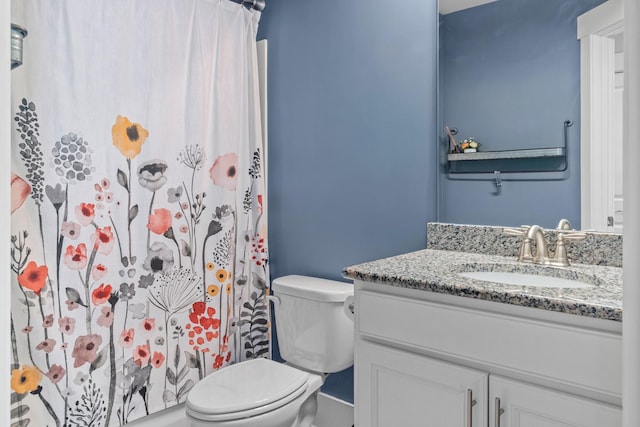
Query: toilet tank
[{"x": 314, "y": 332}]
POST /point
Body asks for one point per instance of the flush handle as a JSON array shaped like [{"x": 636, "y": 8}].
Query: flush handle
[
  {"x": 274, "y": 299},
  {"x": 349, "y": 307}
]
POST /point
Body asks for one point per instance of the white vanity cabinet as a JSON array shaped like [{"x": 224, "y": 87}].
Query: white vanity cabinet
[
  {"x": 434, "y": 360},
  {"x": 518, "y": 404},
  {"x": 398, "y": 388}
]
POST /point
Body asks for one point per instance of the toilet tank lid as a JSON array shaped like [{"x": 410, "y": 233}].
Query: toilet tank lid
[{"x": 312, "y": 288}]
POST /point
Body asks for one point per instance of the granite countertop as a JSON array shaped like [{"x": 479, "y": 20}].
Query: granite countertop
[{"x": 435, "y": 270}]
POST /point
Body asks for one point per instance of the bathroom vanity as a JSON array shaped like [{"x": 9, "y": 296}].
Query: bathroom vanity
[{"x": 437, "y": 348}]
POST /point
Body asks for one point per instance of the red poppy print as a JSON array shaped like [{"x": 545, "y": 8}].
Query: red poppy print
[
  {"x": 141, "y": 355},
  {"x": 157, "y": 359},
  {"x": 55, "y": 374},
  {"x": 75, "y": 258},
  {"x": 33, "y": 277},
  {"x": 85, "y": 349},
  {"x": 47, "y": 345},
  {"x": 203, "y": 327},
  {"x": 224, "y": 172},
  {"x": 126, "y": 337},
  {"x": 20, "y": 190},
  {"x": 67, "y": 325},
  {"x": 85, "y": 212},
  {"x": 103, "y": 240},
  {"x": 148, "y": 324},
  {"x": 160, "y": 221},
  {"x": 106, "y": 318},
  {"x": 98, "y": 272},
  {"x": 101, "y": 294}
]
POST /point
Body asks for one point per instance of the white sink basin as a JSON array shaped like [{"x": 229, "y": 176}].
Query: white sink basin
[{"x": 524, "y": 279}]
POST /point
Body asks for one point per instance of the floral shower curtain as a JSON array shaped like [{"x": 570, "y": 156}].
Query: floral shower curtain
[{"x": 138, "y": 223}]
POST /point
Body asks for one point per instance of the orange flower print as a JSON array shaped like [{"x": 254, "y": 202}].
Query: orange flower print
[
  {"x": 101, "y": 294},
  {"x": 126, "y": 338},
  {"x": 20, "y": 190},
  {"x": 160, "y": 221},
  {"x": 103, "y": 240},
  {"x": 85, "y": 212},
  {"x": 221, "y": 275},
  {"x": 33, "y": 277},
  {"x": 228, "y": 288},
  {"x": 141, "y": 355},
  {"x": 25, "y": 379},
  {"x": 76, "y": 257},
  {"x": 224, "y": 172},
  {"x": 157, "y": 359},
  {"x": 128, "y": 137},
  {"x": 213, "y": 290}
]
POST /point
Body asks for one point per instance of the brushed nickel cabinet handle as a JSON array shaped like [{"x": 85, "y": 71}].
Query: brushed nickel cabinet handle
[
  {"x": 498, "y": 412},
  {"x": 470, "y": 404}
]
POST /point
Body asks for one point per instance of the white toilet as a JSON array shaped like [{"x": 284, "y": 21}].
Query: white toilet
[{"x": 314, "y": 321}]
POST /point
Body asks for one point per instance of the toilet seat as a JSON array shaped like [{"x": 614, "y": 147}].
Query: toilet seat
[{"x": 244, "y": 390}]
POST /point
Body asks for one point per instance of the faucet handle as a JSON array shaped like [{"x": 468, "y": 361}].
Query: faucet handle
[
  {"x": 561, "y": 257},
  {"x": 514, "y": 231},
  {"x": 572, "y": 236},
  {"x": 524, "y": 254},
  {"x": 564, "y": 225}
]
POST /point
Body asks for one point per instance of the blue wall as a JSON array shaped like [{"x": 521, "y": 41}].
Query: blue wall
[
  {"x": 510, "y": 76},
  {"x": 352, "y": 129}
]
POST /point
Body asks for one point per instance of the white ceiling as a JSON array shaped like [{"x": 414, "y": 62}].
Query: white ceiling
[{"x": 449, "y": 6}]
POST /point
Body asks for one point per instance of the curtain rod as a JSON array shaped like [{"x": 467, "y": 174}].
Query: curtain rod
[{"x": 252, "y": 4}]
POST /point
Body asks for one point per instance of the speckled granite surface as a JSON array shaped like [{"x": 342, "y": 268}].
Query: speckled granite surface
[
  {"x": 436, "y": 270},
  {"x": 596, "y": 249}
]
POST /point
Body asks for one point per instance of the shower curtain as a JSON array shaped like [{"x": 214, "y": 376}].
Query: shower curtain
[{"x": 138, "y": 223}]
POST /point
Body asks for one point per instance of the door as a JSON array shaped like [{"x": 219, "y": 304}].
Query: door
[
  {"x": 395, "y": 388},
  {"x": 618, "y": 125},
  {"x": 515, "y": 404}
]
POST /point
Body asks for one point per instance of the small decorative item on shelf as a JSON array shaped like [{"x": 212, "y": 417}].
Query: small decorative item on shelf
[{"x": 469, "y": 145}]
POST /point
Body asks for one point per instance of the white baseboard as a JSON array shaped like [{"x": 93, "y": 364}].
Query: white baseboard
[{"x": 332, "y": 412}]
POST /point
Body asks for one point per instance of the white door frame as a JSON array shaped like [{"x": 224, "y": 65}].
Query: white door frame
[{"x": 597, "y": 86}]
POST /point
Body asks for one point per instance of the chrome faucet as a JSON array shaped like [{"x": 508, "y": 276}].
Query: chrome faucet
[
  {"x": 542, "y": 248},
  {"x": 564, "y": 224},
  {"x": 541, "y": 256}
]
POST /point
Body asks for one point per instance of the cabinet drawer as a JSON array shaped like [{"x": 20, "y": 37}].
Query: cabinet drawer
[{"x": 549, "y": 352}]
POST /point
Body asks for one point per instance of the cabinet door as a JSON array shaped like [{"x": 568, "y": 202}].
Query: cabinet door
[
  {"x": 525, "y": 405},
  {"x": 395, "y": 388}
]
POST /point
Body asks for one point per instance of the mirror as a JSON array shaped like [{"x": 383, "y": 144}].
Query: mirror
[{"x": 509, "y": 76}]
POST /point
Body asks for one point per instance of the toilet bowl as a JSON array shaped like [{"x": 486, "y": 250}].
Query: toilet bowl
[
  {"x": 316, "y": 336},
  {"x": 257, "y": 392}
]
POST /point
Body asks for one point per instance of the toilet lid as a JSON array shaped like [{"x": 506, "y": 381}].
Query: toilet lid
[{"x": 244, "y": 386}]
